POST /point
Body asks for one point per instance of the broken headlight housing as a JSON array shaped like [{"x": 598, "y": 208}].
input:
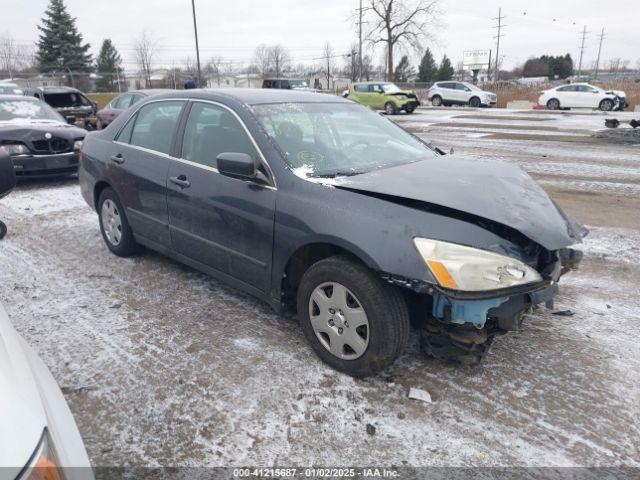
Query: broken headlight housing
[{"x": 468, "y": 269}]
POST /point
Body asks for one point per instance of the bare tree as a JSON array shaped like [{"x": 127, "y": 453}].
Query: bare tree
[
  {"x": 351, "y": 66},
  {"x": 215, "y": 69},
  {"x": 14, "y": 57},
  {"x": 262, "y": 59},
  {"x": 367, "y": 67},
  {"x": 614, "y": 64},
  {"x": 279, "y": 58},
  {"x": 144, "y": 50},
  {"x": 401, "y": 23},
  {"x": 327, "y": 55}
]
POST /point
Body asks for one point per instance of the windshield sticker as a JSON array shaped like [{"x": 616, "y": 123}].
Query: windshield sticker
[{"x": 307, "y": 157}]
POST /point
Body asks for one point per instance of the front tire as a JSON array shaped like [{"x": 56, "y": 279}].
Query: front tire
[
  {"x": 553, "y": 104},
  {"x": 390, "y": 108},
  {"x": 410, "y": 109},
  {"x": 606, "y": 105},
  {"x": 475, "y": 102},
  {"x": 354, "y": 321},
  {"x": 114, "y": 226}
]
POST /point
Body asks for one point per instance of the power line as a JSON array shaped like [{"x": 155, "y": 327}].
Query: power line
[
  {"x": 602, "y": 36},
  {"x": 582, "y": 48},
  {"x": 499, "y": 26}
]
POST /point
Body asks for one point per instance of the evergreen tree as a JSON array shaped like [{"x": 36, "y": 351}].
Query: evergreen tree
[
  {"x": 428, "y": 69},
  {"x": 60, "y": 46},
  {"x": 404, "y": 71},
  {"x": 108, "y": 66},
  {"x": 445, "y": 71}
]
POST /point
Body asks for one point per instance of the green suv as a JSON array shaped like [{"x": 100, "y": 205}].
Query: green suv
[{"x": 384, "y": 96}]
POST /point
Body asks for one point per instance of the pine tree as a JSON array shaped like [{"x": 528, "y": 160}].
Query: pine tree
[
  {"x": 108, "y": 66},
  {"x": 445, "y": 71},
  {"x": 428, "y": 69},
  {"x": 404, "y": 70},
  {"x": 60, "y": 46}
]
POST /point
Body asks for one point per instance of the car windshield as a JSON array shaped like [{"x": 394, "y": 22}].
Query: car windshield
[
  {"x": 333, "y": 139},
  {"x": 390, "y": 88},
  {"x": 62, "y": 100},
  {"x": 26, "y": 109}
]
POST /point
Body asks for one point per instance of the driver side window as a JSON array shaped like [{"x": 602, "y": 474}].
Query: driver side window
[{"x": 212, "y": 130}]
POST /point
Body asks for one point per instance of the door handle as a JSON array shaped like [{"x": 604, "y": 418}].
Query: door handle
[
  {"x": 181, "y": 181},
  {"x": 117, "y": 159}
]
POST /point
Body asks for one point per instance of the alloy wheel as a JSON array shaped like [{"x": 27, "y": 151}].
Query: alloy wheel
[
  {"x": 111, "y": 222},
  {"x": 339, "y": 321}
]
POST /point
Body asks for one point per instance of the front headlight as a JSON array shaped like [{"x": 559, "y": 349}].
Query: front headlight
[
  {"x": 16, "y": 149},
  {"x": 44, "y": 464},
  {"x": 402, "y": 97},
  {"x": 457, "y": 267},
  {"x": 77, "y": 145}
]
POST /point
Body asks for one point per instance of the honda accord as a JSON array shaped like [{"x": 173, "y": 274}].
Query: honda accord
[{"x": 318, "y": 204}]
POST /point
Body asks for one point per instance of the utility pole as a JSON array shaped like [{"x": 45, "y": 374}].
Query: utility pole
[
  {"x": 584, "y": 36},
  {"x": 195, "y": 29},
  {"x": 499, "y": 26},
  {"x": 360, "y": 42},
  {"x": 602, "y": 35}
]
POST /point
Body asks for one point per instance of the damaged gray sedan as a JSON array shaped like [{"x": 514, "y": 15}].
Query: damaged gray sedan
[{"x": 319, "y": 205}]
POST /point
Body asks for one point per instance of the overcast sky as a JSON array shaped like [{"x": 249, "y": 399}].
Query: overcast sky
[{"x": 232, "y": 29}]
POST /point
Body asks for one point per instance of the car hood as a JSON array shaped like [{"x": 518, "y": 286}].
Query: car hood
[
  {"x": 23, "y": 418},
  {"x": 492, "y": 190},
  {"x": 25, "y": 129}
]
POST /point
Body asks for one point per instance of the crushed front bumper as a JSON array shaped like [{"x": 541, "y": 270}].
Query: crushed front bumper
[{"x": 45, "y": 165}]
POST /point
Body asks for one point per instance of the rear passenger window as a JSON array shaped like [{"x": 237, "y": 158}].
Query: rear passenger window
[
  {"x": 212, "y": 130},
  {"x": 361, "y": 88},
  {"x": 154, "y": 126}
]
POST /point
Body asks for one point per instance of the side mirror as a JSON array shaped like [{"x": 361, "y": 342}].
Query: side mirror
[
  {"x": 71, "y": 120},
  {"x": 7, "y": 173},
  {"x": 237, "y": 165}
]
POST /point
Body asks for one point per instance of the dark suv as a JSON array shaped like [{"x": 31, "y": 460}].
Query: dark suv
[
  {"x": 285, "y": 83},
  {"x": 319, "y": 204},
  {"x": 71, "y": 103}
]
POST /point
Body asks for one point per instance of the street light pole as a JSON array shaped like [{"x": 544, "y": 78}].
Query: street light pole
[{"x": 195, "y": 30}]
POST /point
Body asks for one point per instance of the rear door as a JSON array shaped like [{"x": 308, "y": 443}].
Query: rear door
[
  {"x": 448, "y": 91},
  {"x": 139, "y": 164},
  {"x": 376, "y": 96},
  {"x": 221, "y": 222},
  {"x": 568, "y": 96}
]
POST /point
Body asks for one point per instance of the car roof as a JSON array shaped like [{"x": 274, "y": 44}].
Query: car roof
[
  {"x": 381, "y": 82},
  {"x": 55, "y": 89},
  {"x": 149, "y": 91},
  {"x": 257, "y": 96},
  {"x": 18, "y": 97}
]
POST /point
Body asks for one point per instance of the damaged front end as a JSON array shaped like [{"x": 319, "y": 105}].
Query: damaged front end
[{"x": 459, "y": 324}]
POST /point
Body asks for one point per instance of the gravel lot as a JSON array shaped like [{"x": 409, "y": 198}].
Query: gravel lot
[{"x": 162, "y": 365}]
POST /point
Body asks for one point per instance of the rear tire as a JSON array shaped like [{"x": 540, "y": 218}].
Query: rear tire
[
  {"x": 114, "y": 226},
  {"x": 475, "y": 102},
  {"x": 382, "y": 306},
  {"x": 436, "y": 101},
  {"x": 3, "y": 230},
  {"x": 606, "y": 105},
  {"x": 390, "y": 108},
  {"x": 553, "y": 104}
]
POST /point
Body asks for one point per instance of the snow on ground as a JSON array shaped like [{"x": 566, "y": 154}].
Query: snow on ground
[{"x": 162, "y": 365}]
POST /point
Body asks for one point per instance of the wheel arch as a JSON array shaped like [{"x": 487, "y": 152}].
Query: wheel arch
[
  {"x": 305, "y": 255},
  {"x": 97, "y": 190}
]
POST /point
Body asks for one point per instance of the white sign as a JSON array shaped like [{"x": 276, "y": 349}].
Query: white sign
[{"x": 476, "y": 59}]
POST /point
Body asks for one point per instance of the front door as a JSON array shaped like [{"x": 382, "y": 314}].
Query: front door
[
  {"x": 221, "y": 222},
  {"x": 139, "y": 161}
]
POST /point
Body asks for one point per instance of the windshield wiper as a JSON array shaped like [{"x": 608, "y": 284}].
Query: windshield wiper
[{"x": 337, "y": 173}]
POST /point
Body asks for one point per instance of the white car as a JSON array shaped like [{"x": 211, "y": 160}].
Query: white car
[
  {"x": 7, "y": 88},
  {"x": 583, "y": 95},
  {"x": 38, "y": 437},
  {"x": 449, "y": 93}
]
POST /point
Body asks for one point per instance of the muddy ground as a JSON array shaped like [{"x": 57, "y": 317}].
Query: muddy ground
[{"x": 162, "y": 365}]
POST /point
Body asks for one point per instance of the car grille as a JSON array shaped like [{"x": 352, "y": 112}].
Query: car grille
[{"x": 54, "y": 145}]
